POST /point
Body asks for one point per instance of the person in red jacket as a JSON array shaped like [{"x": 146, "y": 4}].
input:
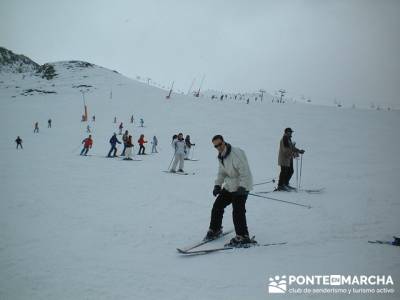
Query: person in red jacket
[
  {"x": 141, "y": 143},
  {"x": 87, "y": 144}
]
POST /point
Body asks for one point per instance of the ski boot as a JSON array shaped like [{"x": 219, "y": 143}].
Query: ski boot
[
  {"x": 212, "y": 234},
  {"x": 290, "y": 188},
  {"x": 282, "y": 188},
  {"x": 240, "y": 241}
]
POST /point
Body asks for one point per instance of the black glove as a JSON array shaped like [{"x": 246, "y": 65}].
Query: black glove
[
  {"x": 301, "y": 151},
  {"x": 216, "y": 190},
  {"x": 241, "y": 191}
]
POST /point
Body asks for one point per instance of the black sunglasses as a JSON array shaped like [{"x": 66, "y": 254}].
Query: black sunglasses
[{"x": 218, "y": 145}]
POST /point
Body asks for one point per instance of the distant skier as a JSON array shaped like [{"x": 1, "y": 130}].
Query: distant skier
[
  {"x": 125, "y": 141},
  {"x": 36, "y": 130},
  {"x": 87, "y": 144},
  {"x": 188, "y": 147},
  {"x": 141, "y": 143},
  {"x": 121, "y": 126},
  {"x": 115, "y": 120},
  {"x": 141, "y": 122},
  {"x": 94, "y": 118},
  {"x": 113, "y": 141},
  {"x": 154, "y": 145},
  {"x": 88, "y": 129},
  {"x": 49, "y": 123},
  {"x": 129, "y": 148},
  {"x": 19, "y": 142},
  {"x": 287, "y": 151},
  {"x": 232, "y": 186},
  {"x": 132, "y": 119},
  {"x": 180, "y": 149}
]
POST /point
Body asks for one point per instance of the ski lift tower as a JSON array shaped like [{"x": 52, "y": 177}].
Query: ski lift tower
[
  {"x": 197, "y": 94},
  {"x": 85, "y": 115}
]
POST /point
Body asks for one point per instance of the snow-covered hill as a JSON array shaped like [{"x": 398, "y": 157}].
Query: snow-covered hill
[
  {"x": 15, "y": 63},
  {"x": 77, "y": 227}
]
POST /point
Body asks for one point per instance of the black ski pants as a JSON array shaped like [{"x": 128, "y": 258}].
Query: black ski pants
[
  {"x": 286, "y": 174},
  {"x": 141, "y": 149},
  {"x": 113, "y": 148},
  {"x": 84, "y": 151},
  {"x": 238, "y": 211}
]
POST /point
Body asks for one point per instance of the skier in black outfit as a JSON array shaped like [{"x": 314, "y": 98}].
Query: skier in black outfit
[
  {"x": 36, "y": 130},
  {"x": 125, "y": 141},
  {"x": 19, "y": 142},
  {"x": 113, "y": 141}
]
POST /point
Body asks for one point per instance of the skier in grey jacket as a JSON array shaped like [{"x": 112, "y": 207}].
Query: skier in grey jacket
[
  {"x": 180, "y": 149},
  {"x": 232, "y": 186}
]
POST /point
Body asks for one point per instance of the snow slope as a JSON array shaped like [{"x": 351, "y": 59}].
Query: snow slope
[{"x": 77, "y": 227}]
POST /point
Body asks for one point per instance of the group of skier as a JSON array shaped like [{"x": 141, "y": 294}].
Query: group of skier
[
  {"x": 132, "y": 120},
  {"x": 18, "y": 140},
  {"x": 181, "y": 148},
  {"x": 234, "y": 180},
  {"x": 127, "y": 143}
]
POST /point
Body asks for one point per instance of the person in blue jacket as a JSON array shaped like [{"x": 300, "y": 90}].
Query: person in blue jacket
[{"x": 113, "y": 141}]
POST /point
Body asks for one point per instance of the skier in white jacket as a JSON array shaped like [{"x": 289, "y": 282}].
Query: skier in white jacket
[
  {"x": 180, "y": 149},
  {"x": 232, "y": 186}
]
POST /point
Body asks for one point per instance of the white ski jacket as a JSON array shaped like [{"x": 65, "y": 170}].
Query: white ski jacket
[
  {"x": 179, "y": 146},
  {"x": 234, "y": 170}
]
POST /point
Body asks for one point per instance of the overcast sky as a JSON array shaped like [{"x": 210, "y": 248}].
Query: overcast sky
[{"x": 344, "y": 49}]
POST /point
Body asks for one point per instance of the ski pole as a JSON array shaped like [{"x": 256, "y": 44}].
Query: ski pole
[
  {"x": 260, "y": 183},
  {"x": 288, "y": 202},
  {"x": 76, "y": 148},
  {"x": 171, "y": 160},
  {"x": 301, "y": 167},
  {"x": 297, "y": 173},
  {"x": 193, "y": 152}
]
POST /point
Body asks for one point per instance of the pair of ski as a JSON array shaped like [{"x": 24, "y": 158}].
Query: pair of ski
[
  {"x": 179, "y": 173},
  {"x": 309, "y": 191},
  {"x": 131, "y": 159},
  {"x": 395, "y": 242},
  {"x": 192, "y": 250}
]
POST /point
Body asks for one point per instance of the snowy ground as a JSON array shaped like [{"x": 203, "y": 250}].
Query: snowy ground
[{"x": 94, "y": 228}]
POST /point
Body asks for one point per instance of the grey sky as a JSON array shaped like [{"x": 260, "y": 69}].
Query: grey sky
[{"x": 348, "y": 49}]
